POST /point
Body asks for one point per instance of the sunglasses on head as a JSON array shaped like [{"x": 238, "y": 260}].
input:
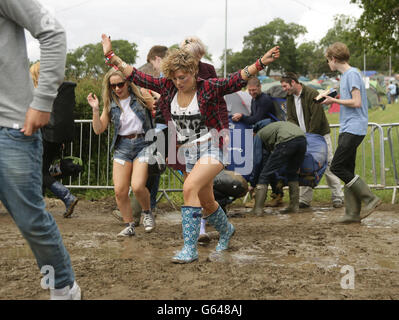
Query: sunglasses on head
[{"x": 119, "y": 85}]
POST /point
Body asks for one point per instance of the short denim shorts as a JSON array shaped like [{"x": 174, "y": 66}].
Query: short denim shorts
[
  {"x": 131, "y": 149},
  {"x": 207, "y": 149}
]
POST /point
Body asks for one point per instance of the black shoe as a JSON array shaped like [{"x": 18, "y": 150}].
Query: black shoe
[{"x": 303, "y": 205}]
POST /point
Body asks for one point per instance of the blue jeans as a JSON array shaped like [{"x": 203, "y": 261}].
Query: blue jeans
[{"x": 21, "y": 194}]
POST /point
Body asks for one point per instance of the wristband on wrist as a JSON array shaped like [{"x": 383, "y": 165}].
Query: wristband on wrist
[
  {"x": 246, "y": 71},
  {"x": 261, "y": 63},
  {"x": 258, "y": 65},
  {"x": 109, "y": 55}
]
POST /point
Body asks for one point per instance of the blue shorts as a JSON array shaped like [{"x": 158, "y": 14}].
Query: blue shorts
[
  {"x": 206, "y": 149},
  {"x": 131, "y": 149}
]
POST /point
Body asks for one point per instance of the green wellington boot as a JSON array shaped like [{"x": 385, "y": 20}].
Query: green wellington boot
[
  {"x": 369, "y": 200},
  {"x": 293, "y": 207},
  {"x": 260, "y": 197},
  {"x": 352, "y": 207}
]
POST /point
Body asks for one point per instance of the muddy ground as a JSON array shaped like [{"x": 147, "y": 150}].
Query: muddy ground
[{"x": 298, "y": 256}]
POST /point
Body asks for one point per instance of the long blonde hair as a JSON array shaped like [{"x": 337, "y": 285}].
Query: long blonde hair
[
  {"x": 108, "y": 94},
  {"x": 34, "y": 72}
]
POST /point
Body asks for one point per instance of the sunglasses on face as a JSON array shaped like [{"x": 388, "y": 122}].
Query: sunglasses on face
[{"x": 119, "y": 85}]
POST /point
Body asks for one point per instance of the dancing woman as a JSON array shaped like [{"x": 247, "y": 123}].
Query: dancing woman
[{"x": 192, "y": 105}]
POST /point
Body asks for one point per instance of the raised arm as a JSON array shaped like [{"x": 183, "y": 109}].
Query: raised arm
[
  {"x": 269, "y": 57},
  {"x": 132, "y": 74},
  {"x": 238, "y": 80}
]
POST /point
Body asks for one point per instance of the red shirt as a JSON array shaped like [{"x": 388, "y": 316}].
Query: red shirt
[{"x": 209, "y": 94}]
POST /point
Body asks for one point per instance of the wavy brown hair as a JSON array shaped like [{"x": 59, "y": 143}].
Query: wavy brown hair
[
  {"x": 108, "y": 94},
  {"x": 34, "y": 72},
  {"x": 179, "y": 59}
]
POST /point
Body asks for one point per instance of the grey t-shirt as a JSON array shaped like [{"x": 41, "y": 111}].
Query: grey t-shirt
[{"x": 16, "y": 87}]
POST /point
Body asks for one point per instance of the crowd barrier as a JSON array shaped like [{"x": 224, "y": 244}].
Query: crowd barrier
[{"x": 376, "y": 160}]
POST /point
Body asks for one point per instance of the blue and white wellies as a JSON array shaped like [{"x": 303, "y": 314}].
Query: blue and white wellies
[{"x": 191, "y": 216}]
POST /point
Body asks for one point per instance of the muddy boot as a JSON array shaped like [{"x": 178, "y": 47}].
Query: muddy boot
[
  {"x": 260, "y": 197},
  {"x": 62, "y": 193},
  {"x": 362, "y": 191},
  {"x": 293, "y": 207},
  {"x": 276, "y": 201},
  {"x": 219, "y": 221},
  {"x": 136, "y": 210},
  {"x": 191, "y": 222},
  {"x": 352, "y": 207}
]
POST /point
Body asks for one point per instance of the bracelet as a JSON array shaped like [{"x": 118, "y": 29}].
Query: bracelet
[
  {"x": 246, "y": 71},
  {"x": 109, "y": 55},
  {"x": 258, "y": 65},
  {"x": 261, "y": 63}
]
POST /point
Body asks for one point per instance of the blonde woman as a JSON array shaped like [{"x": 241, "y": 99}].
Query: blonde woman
[
  {"x": 191, "y": 105},
  {"x": 129, "y": 112}
]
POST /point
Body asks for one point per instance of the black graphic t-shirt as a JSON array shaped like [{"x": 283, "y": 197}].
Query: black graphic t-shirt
[{"x": 190, "y": 124}]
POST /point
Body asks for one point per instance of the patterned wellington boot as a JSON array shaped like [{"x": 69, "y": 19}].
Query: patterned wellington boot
[
  {"x": 219, "y": 221},
  {"x": 191, "y": 222}
]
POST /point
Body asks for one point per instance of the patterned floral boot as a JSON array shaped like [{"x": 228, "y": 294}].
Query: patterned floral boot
[
  {"x": 191, "y": 222},
  {"x": 219, "y": 221}
]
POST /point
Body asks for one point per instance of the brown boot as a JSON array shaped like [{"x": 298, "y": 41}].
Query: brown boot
[{"x": 276, "y": 201}]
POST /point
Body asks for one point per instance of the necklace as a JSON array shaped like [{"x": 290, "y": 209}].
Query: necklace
[{"x": 184, "y": 99}]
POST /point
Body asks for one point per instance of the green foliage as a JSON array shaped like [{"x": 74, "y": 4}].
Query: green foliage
[
  {"x": 88, "y": 61},
  {"x": 261, "y": 39},
  {"x": 379, "y": 24}
]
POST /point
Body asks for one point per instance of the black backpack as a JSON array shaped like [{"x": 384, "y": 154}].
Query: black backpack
[{"x": 60, "y": 128}]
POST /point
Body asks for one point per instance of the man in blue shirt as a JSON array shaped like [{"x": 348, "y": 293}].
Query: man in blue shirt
[
  {"x": 353, "y": 128},
  {"x": 262, "y": 106},
  {"x": 391, "y": 93}
]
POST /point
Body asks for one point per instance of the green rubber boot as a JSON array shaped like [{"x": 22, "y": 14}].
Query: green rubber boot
[
  {"x": 260, "y": 197},
  {"x": 352, "y": 207},
  {"x": 362, "y": 191},
  {"x": 293, "y": 207}
]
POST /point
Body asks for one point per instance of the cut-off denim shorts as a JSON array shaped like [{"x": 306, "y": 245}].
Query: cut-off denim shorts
[
  {"x": 131, "y": 149},
  {"x": 206, "y": 149}
]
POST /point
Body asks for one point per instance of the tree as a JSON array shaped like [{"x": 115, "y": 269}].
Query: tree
[
  {"x": 263, "y": 38},
  {"x": 379, "y": 24},
  {"x": 344, "y": 30},
  {"x": 88, "y": 61},
  {"x": 311, "y": 60}
]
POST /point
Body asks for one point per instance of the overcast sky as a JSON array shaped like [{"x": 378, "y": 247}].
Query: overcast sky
[{"x": 166, "y": 22}]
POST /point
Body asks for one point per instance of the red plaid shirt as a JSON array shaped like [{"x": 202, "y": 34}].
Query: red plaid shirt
[{"x": 209, "y": 94}]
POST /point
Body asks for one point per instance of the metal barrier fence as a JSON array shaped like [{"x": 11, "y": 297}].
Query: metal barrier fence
[{"x": 371, "y": 160}]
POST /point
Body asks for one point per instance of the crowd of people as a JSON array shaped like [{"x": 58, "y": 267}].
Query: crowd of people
[{"x": 186, "y": 96}]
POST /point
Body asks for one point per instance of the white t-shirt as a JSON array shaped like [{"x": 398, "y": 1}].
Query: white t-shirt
[
  {"x": 130, "y": 123},
  {"x": 299, "y": 111},
  {"x": 190, "y": 124}
]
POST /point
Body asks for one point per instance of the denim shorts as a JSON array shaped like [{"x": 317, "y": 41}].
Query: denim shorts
[
  {"x": 205, "y": 149},
  {"x": 131, "y": 149}
]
